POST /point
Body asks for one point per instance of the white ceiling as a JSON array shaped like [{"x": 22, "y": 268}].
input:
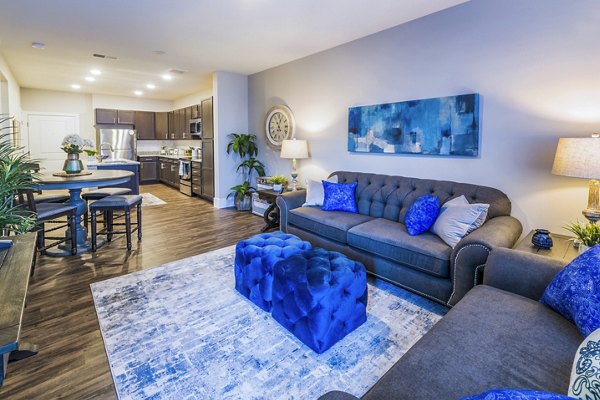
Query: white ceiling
[{"x": 197, "y": 36}]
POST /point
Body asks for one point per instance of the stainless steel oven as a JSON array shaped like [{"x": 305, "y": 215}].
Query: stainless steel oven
[{"x": 185, "y": 176}]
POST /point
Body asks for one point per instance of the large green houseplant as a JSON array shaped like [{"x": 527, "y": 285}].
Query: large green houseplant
[
  {"x": 244, "y": 146},
  {"x": 15, "y": 173}
]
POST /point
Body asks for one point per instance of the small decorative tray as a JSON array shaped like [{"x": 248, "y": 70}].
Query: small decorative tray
[{"x": 63, "y": 174}]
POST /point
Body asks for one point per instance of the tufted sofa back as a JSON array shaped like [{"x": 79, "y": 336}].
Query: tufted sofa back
[{"x": 385, "y": 196}]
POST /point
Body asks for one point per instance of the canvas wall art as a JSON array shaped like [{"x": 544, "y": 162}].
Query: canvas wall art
[{"x": 444, "y": 126}]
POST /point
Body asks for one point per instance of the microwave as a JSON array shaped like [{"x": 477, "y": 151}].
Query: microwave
[{"x": 196, "y": 127}]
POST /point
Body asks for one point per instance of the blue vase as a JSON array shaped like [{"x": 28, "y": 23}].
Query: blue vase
[{"x": 541, "y": 238}]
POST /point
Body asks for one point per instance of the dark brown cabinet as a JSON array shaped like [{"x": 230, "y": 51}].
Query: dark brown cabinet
[
  {"x": 161, "y": 125},
  {"x": 195, "y": 111},
  {"x": 144, "y": 125},
  {"x": 171, "y": 122},
  {"x": 108, "y": 116},
  {"x": 168, "y": 171},
  {"x": 148, "y": 169},
  {"x": 207, "y": 179},
  {"x": 197, "y": 178}
]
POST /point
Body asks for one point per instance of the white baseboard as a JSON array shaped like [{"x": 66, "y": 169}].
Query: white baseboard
[{"x": 223, "y": 202}]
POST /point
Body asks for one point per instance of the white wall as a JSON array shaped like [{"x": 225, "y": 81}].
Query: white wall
[
  {"x": 194, "y": 98},
  {"x": 230, "y": 113},
  {"x": 535, "y": 64},
  {"x": 11, "y": 101},
  {"x": 130, "y": 103}
]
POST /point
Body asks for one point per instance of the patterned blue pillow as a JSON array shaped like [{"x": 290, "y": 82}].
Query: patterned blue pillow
[
  {"x": 575, "y": 291},
  {"x": 517, "y": 394},
  {"x": 339, "y": 197},
  {"x": 422, "y": 214}
]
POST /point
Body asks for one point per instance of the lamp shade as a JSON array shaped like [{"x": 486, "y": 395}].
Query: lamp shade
[
  {"x": 578, "y": 157},
  {"x": 294, "y": 149}
]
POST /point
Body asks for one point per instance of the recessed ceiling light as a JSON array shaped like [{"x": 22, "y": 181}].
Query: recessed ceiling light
[
  {"x": 76, "y": 86},
  {"x": 95, "y": 72},
  {"x": 90, "y": 78},
  {"x": 167, "y": 77},
  {"x": 38, "y": 45},
  {"x": 159, "y": 52},
  {"x": 151, "y": 86},
  {"x": 138, "y": 92}
]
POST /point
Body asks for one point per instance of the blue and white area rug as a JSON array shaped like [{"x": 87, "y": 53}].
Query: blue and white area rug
[
  {"x": 148, "y": 199},
  {"x": 181, "y": 331}
]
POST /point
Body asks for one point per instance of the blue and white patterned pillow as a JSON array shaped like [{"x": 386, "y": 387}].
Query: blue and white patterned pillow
[
  {"x": 517, "y": 394},
  {"x": 339, "y": 197},
  {"x": 422, "y": 214},
  {"x": 575, "y": 291},
  {"x": 585, "y": 375}
]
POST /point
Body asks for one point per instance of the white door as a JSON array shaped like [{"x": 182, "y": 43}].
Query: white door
[{"x": 46, "y": 133}]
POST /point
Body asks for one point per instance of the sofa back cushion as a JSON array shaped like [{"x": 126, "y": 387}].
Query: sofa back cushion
[{"x": 390, "y": 197}]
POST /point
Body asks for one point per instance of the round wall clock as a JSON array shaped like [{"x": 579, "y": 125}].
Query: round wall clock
[{"x": 279, "y": 125}]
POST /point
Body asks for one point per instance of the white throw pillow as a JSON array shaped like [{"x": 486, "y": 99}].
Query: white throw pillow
[
  {"x": 585, "y": 375},
  {"x": 458, "y": 218},
  {"x": 315, "y": 192}
]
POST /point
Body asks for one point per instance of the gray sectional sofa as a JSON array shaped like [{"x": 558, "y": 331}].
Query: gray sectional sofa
[
  {"x": 377, "y": 237},
  {"x": 498, "y": 336}
]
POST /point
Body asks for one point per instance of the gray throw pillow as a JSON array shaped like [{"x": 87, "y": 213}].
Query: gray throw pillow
[
  {"x": 315, "y": 193},
  {"x": 585, "y": 375},
  {"x": 457, "y": 219}
]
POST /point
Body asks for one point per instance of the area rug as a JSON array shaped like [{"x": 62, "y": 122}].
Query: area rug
[
  {"x": 151, "y": 200},
  {"x": 181, "y": 331}
]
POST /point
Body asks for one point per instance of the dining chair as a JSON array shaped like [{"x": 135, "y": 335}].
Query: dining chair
[{"x": 49, "y": 213}]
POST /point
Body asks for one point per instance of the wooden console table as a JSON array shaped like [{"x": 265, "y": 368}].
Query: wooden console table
[
  {"x": 562, "y": 248},
  {"x": 15, "y": 268},
  {"x": 271, "y": 215}
]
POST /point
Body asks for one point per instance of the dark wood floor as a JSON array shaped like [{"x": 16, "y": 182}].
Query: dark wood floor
[{"x": 60, "y": 315}]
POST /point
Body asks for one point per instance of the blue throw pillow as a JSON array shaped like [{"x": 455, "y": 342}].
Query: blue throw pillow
[
  {"x": 575, "y": 291},
  {"x": 339, "y": 197},
  {"x": 422, "y": 214},
  {"x": 517, "y": 394}
]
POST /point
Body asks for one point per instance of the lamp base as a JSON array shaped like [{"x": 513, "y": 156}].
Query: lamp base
[
  {"x": 592, "y": 215},
  {"x": 592, "y": 212}
]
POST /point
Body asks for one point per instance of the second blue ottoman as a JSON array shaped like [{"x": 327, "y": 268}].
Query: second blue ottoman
[
  {"x": 254, "y": 261},
  {"x": 320, "y": 296}
]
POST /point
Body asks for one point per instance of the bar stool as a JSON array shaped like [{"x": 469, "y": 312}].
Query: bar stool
[
  {"x": 110, "y": 204},
  {"x": 98, "y": 194}
]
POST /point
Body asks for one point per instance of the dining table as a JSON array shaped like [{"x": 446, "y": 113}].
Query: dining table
[{"x": 75, "y": 184}]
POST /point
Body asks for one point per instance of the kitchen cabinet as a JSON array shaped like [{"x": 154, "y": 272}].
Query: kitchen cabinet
[
  {"x": 197, "y": 178},
  {"x": 144, "y": 125},
  {"x": 109, "y": 116},
  {"x": 195, "y": 111},
  {"x": 185, "y": 125},
  {"x": 169, "y": 171},
  {"x": 133, "y": 183},
  {"x": 207, "y": 171},
  {"x": 163, "y": 168},
  {"x": 148, "y": 169},
  {"x": 161, "y": 125},
  {"x": 171, "y": 121}
]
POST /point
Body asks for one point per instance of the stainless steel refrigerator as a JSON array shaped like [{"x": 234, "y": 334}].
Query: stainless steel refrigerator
[{"x": 116, "y": 143}]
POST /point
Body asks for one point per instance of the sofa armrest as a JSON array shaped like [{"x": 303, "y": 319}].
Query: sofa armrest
[
  {"x": 471, "y": 253},
  {"x": 286, "y": 202},
  {"x": 519, "y": 272},
  {"x": 337, "y": 395}
]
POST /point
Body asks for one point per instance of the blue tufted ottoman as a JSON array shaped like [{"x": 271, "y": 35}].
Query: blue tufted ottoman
[
  {"x": 320, "y": 296},
  {"x": 254, "y": 261}
]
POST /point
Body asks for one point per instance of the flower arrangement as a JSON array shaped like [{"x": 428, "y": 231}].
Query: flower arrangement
[
  {"x": 74, "y": 144},
  {"x": 588, "y": 233}
]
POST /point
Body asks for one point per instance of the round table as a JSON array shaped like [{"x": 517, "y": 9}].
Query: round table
[{"x": 97, "y": 178}]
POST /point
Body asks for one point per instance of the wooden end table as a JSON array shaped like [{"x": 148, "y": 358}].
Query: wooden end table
[
  {"x": 271, "y": 215},
  {"x": 562, "y": 249}
]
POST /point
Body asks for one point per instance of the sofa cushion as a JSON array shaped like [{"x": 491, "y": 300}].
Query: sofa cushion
[
  {"x": 339, "y": 197},
  {"x": 490, "y": 339},
  {"x": 426, "y": 252},
  {"x": 331, "y": 224},
  {"x": 585, "y": 375},
  {"x": 575, "y": 291},
  {"x": 422, "y": 214}
]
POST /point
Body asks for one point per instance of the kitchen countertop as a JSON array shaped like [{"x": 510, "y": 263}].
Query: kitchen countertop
[
  {"x": 118, "y": 161},
  {"x": 179, "y": 158}
]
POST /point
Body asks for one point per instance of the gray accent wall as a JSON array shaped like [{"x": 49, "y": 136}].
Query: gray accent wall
[{"x": 535, "y": 63}]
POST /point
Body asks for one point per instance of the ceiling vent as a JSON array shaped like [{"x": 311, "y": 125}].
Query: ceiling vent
[
  {"x": 176, "y": 71},
  {"x": 104, "y": 56}
]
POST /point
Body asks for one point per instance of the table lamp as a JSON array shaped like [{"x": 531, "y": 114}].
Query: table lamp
[
  {"x": 580, "y": 158},
  {"x": 294, "y": 149}
]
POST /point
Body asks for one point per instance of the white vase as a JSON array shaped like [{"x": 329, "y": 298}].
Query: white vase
[{"x": 277, "y": 187}]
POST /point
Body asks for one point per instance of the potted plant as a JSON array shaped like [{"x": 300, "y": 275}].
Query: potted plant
[
  {"x": 244, "y": 146},
  {"x": 73, "y": 145},
  {"x": 588, "y": 234},
  {"x": 278, "y": 181},
  {"x": 15, "y": 173}
]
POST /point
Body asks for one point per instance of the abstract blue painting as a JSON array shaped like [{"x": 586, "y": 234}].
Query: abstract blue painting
[{"x": 443, "y": 126}]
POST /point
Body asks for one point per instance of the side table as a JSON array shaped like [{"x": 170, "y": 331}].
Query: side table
[
  {"x": 271, "y": 215},
  {"x": 562, "y": 249}
]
